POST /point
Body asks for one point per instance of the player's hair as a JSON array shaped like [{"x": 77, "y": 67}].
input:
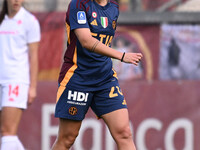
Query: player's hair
[{"x": 4, "y": 11}]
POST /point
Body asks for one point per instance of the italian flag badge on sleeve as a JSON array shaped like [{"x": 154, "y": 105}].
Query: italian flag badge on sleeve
[{"x": 104, "y": 22}]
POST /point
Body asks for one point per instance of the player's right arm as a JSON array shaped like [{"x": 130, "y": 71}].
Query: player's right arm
[{"x": 88, "y": 42}]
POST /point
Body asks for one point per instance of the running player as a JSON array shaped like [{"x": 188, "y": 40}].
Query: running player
[
  {"x": 19, "y": 39},
  {"x": 87, "y": 78}
]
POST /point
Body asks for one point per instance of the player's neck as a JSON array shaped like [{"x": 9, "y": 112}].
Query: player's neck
[
  {"x": 102, "y": 2},
  {"x": 11, "y": 14},
  {"x": 13, "y": 11}
]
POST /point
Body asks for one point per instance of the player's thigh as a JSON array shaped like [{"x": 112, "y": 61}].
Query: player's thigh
[
  {"x": 68, "y": 129},
  {"x": 10, "y": 119},
  {"x": 117, "y": 122},
  {"x": 109, "y": 99}
]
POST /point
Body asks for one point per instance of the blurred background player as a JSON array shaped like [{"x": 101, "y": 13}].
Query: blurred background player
[
  {"x": 19, "y": 40},
  {"x": 87, "y": 78}
]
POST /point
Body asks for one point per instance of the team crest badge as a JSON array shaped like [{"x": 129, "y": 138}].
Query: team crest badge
[
  {"x": 104, "y": 22},
  {"x": 81, "y": 17},
  {"x": 73, "y": 111},
  {"x": 94, "y": 14},
  {"x": 114, "y": 24},
  {"x": 19, "y": 22}
]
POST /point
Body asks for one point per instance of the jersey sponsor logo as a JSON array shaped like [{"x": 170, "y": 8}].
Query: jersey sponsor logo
[
  {"x": 73, "y": 111},
  {"x": 9, "y": 32},
  {"x": 94, "y": 14},
  {"x": 104, "y": 22},
  {"x": 78, "y": 96},
  {"x": 94, "y": 22},
  {"x": 106, "y": 39},
  {"x": 81, "y": 17}
]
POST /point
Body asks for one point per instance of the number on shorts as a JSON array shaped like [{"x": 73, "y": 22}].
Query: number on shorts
[
  {"x": 112, "y": 94},
  {"x": 13, "y": 91}
]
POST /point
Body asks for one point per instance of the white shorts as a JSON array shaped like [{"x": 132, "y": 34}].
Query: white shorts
[{"x": 14, "y": 95}]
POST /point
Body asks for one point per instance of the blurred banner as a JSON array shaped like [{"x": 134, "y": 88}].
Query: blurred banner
[
  {"x": 149, "y": 5},
  {"x": 164, "y": 115},
  {"x": 52, "y": 44},
  {"x": 180, "y": 52}
]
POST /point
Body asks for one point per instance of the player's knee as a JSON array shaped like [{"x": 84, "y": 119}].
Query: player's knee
[
  {"x": 68, "y": 140},
  {"x": 124, "y": 133},
  {"x": 7, "y": 130}
]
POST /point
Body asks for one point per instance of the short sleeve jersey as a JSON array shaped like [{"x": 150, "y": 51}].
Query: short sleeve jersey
[
  {"x": 82, "y": 68},
  {"x": 15, "y": 35}
]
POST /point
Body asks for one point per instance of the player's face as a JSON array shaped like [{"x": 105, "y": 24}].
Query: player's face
[{"x": 14, "y": 5}]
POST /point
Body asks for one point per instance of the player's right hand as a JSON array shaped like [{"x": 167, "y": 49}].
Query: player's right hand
[{"x": 133, "y": 58}]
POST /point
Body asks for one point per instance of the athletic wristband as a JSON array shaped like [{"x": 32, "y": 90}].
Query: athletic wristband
[{"x": 122, "y": 57}]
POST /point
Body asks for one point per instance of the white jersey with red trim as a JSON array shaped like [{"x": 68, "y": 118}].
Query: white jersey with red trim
[{"x": 15, "y": 35}]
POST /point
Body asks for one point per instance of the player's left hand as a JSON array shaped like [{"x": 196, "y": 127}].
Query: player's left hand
[
  {"x": 31, "y": 95},
  {"x": 133, "y": 58}
]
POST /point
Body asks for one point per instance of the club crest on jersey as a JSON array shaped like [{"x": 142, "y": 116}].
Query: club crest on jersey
[
  {"x": 81, "y": 17},
  {"x": 94, "y": 14},
  {"x": 114, "y": 24},
  {"x": 19, "y": 22},
  {"x": 104, "y": 22}
]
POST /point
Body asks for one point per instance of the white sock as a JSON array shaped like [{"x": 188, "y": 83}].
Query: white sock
[{"x": 11, "y": 143}]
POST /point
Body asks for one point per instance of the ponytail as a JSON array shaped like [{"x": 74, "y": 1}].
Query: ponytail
[{"x": 4, "y": 11}]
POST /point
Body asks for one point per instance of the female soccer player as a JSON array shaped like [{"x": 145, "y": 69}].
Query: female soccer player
[
  {"x": 87, "y": 78},
  {"x": 19, "y": 39}
]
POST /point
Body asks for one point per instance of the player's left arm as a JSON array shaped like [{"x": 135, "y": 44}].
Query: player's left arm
[
  {"x": 33, "y": 60},
  {"x": 33, "y": 39},
  {"x": 92, "y": 44}
]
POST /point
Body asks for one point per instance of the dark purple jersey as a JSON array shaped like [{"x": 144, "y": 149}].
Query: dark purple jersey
[{"x": 82, "y": 68}]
